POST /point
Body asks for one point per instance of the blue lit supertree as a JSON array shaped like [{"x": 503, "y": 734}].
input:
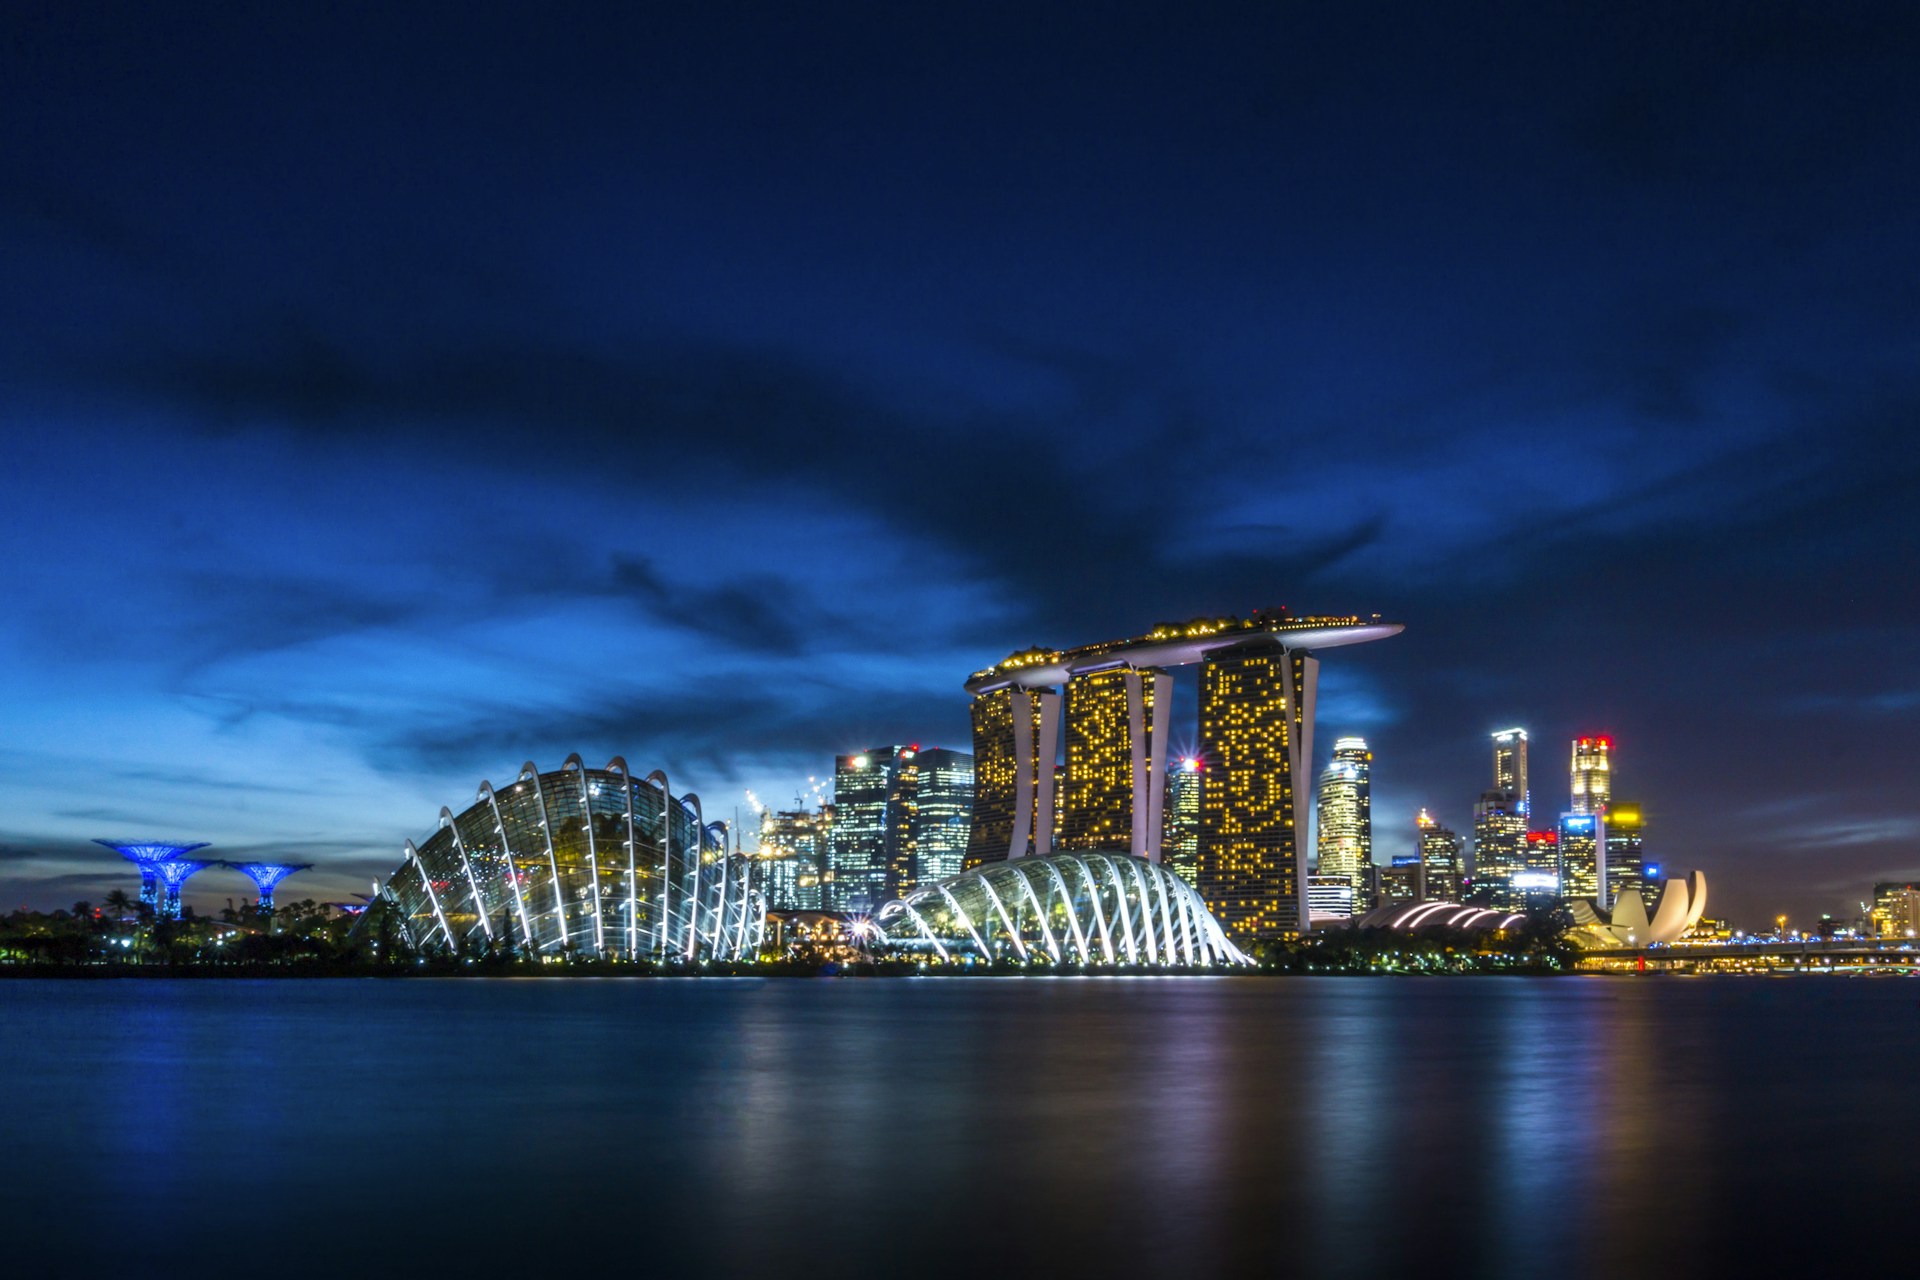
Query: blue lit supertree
[
  {"x": 147, "y": 855},
  {"x": 173, "y": 873},
  {"x": 265, "y": 875}
]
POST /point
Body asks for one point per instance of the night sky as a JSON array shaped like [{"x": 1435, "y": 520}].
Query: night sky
[{"x": 391, "y": 399}]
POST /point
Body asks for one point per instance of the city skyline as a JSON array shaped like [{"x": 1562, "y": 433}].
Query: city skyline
[{"x": 377, "y": 426}]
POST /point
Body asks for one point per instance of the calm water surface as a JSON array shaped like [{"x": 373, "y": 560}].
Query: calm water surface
[{"x": 1510, "y": 1127}]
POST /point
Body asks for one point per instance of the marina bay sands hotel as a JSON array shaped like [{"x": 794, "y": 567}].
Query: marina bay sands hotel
[{"x": 1258, "y": 678}]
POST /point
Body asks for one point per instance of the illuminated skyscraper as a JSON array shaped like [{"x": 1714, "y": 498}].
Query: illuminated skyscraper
[
  {"x": 1440, "y": 852},
  {"x": 1330, "y": 897},
  {"x": 1403, "y": 881},
  {"x": 1343, "y": 825},
  {"x": 1256, "y": 728},
  {"x": 1510, "y": 766},
  {"x": 1592, "y": 774},
  {"x": 1583, "y": 856},
  {"x": 1499, "y": 846},
  {"x": 1180, "y": 847},
  {"x": 1116, "y": 760},
  {"x": 872, "y": 829},
  {"x": 1626, "y": 858},
  {"x": 1257, "y": 684},
  {"x": 943, "y": 812},
  {"x": 1016, "y": 736},
  {"x": 793, "y": 857}
]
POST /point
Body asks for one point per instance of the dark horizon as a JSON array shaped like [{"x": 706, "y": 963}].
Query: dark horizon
[{"x": 391, "y": 401}]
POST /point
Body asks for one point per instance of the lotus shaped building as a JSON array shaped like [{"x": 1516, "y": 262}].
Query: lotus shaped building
[
  {"x": 1680, "y": 906},
  {"x": 1100, "y": 909},
  {"x": 579, "y": 861}
]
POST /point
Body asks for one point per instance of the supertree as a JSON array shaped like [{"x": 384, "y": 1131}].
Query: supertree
[
  {"x": 147, "y": 855},
  {"x": 173, "y": 873},
  {"x": 265, "y": 875}
]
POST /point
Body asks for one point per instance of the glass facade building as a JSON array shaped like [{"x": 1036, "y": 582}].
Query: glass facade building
[
  {"x": 1583, "y": 856},
  {"x": 1499, "y": 846},
  {"x": 1343, "y": 820},
  {"x": 1015, "y": 740},
  {"x": 1440, "y": 851},
  {"x": 1592, "y": 774},
  {"x": 1180, "y": 845},
  {"x": 793, "y": 857},
  {"x": 1079, "y": 909},
  {"x": 1510, "y": 766},
  {"x": 942, "y": 813},
  {"x": 579, "y": 861},
  {"x": 1626, "y": 853}
]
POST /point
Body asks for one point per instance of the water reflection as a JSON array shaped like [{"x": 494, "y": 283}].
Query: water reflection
[{"x": 1151, "y": 1127}]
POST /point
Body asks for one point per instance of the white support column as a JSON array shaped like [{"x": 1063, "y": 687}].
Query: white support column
[
  {"x": 1024, "y": 747},
  {"x": 618, "y": 766},
  {"x": 579, "y": 767},
  {"x": 426, "y": 881},
  {"x": 513, "y": 869},
  {"x": 666, "y": 852},
  {"x": 1147, "y": 737},
  {"x": 528, "y": 771},
  {"x": 1040, "y": 914},
  {"x": 473, "y": 885},
  {"x": 1126, "y": 916},
  {"x": 1048, "y": 752},
  {"x": 1300, "y": 769},
  {"x": 1006, "y": 921}
]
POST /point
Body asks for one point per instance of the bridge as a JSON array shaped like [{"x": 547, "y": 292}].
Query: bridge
[{"x": 1761, "y": 955}]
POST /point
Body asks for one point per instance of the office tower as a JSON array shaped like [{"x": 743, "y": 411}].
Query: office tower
[
  {"x": 1583, "y": 857},
  {"x": 872, "y": 829},
  {"x": 1439, "y": 858},
  {"x": 1499, "y": 846},
  {"x": 1330, "y": 897},
  {"x": 1343, "y": 825},
  {"x": 1116, "y": 760},
  {"x": 1015, "y": 739},
  {"x": 1404, "y": 881},
  {"x": 943, "y": 813},
  {"x": 1592, "y": 774},
  {"x": 1510, "y": 766},
  {"x": 1626, "y": 859},
  {"x": 793, "y": 857},
  {"x": 1180, "y": 847},
  {"x": 1256, "y": 729}
]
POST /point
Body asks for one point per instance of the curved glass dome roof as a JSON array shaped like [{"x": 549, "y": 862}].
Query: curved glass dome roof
[
  {"x": 1066, "y": 908},
  {"x": 579, "y": 861}
]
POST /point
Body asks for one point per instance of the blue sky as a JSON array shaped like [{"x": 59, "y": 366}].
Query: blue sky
[{"x": 387, "y": 402}]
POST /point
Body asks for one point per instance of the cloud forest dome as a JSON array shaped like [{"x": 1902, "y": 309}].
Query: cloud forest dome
[
  {"x": 578, "y": 861},
  {"x": 1101, "y": 909}
]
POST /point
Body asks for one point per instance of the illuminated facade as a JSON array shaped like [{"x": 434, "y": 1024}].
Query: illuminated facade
[
  {"x": 1256, "y": 722},
  {"x": 1440, "y": 851},
  {"x": 1016, "y": 737},
  {"x": 1499, "y": 846},
  {"x": 872, "y": 838},
  {"x": 1330, "y": 897},
  {"x": 1066, "y": 909},
  {"x": 1583, "y": 856},
  {"x": 579, "y": 861},
  {"x": 942, "y": 813},
  {"x": 1592, "y": 778},
  {"x": 1403, "y": 880},
  {"x": 1510, "y": 766},
  {"x": 1343, "y": 819},
  {"x": 1896, "y": 911},
  {"x": 1257, "y": 681},
  {"x": 793, "y": 857},
  {"x": 1624, "y": 831},
  {"x": 1116, "y": 760},
  {"x": 1180, "y": 845}
]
